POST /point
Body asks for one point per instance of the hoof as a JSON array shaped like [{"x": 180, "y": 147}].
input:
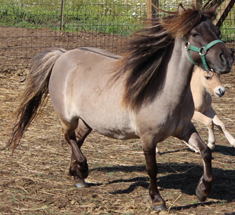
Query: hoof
[
  {"x": 81, "y": 184},
  {"x": 82, "y": 174},
  {"x": 200, "y": 195},
  {"x": 159, "y": 208}
]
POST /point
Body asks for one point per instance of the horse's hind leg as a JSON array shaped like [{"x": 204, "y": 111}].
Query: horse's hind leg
[{"x": 75, "y": 134}]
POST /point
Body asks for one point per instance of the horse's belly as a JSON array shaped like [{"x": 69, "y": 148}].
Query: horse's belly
[
  {"x": 121, "y": 132},
  {"x": 109, "y": 121}
]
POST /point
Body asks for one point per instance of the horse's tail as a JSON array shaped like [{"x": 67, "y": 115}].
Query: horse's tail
[{"x": 35, "y": 93}]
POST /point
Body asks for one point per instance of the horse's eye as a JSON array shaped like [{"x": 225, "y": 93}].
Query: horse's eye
[{"x": 195, "y": 35}]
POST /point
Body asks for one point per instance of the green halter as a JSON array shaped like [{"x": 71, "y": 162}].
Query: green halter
[{"x": 202, "y": 52}]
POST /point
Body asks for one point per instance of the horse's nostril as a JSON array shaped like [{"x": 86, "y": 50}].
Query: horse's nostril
[
  {"x": 221, "y": 91},
  {"x": 222, "y": 58}
]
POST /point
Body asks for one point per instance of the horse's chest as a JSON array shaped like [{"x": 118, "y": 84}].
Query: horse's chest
[
  {"x": 182, "y": 116},
  {"x": 166, "y": 119}
]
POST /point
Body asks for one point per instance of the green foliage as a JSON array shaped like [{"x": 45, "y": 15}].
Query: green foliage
[
  {"x": 106, "y": 16},
  {"x": 24, "y": 15},
  {"x": 228, "y": 28}
]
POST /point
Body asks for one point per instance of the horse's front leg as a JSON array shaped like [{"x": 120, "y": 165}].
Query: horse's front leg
[
  {"x": 223, "y": 129},
  {"x": 191, "y": 136},
  {"x": 220, "y": 125},
  {"x": 198, "y": 116},
  {"x": 152, "y": 170}
]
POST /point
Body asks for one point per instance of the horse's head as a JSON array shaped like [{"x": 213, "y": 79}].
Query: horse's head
[
  {"x": 202, "y": 42},
  {"x": 212, "y": 83}
]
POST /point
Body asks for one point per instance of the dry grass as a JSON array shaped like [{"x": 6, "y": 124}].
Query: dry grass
[{"x": 35, "y": 180}]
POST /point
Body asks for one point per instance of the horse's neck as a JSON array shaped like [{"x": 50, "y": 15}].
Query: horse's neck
[
  {"x": 197, "y": 87},
  {"x": 201, "y": 96},
  {"x": 179, "y": 71}
]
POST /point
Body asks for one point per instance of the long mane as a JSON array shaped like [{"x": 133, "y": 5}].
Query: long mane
[{"x": 147, "y": 49}]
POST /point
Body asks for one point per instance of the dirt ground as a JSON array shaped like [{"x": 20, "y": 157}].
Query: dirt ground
[{"x": 35, "y": 181}]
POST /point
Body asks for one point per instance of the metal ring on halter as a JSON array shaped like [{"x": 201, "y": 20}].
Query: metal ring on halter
[
  {"x": 187, "y": 44},
  {"x": 201, "y": 49}
]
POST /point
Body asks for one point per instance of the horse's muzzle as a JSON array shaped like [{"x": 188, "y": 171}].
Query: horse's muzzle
[
  {"x": 219, "y": 91},
  {"x": 223, "y": 69},
  {"x": 226, "y": 63}
]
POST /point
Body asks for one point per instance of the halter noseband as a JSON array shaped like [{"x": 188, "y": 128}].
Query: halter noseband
[{"x": 202, "y": 52}]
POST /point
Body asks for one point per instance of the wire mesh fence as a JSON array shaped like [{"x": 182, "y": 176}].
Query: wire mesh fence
[{"x": 29, "y": 26}]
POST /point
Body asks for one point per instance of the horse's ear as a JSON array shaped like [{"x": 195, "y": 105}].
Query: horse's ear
[
  {"x": 211, "y": 13},
  {"x": 180, "y": 9},
  {"x": 214, "y": 8}
]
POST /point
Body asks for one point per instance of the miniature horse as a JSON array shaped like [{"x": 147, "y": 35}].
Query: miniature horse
[
  {"x": 202, "y": 87},
  {"x": 144, "y": 94}
]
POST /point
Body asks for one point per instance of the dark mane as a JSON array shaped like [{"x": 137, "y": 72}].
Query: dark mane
[{"x": 148, "y": 47}]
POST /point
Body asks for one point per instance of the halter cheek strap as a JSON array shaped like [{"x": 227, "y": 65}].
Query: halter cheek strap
[{"x": 201, "y": 51}]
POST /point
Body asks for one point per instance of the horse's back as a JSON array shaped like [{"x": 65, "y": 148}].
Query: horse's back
[
  {"x": 82, "y": 65},
  {"x": 101, "y": 52},
  {"x": 84, "y": 56}
]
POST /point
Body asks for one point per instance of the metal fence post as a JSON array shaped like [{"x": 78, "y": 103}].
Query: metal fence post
[{"x": 62, "y": 15}]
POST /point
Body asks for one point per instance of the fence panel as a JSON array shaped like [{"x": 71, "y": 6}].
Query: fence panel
[{"x": 28, "y": 27}]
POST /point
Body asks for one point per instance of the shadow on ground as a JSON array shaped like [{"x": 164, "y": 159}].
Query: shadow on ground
[
  {"x": 225, "y": 150},
  {"x": 183, "y": 177}
]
